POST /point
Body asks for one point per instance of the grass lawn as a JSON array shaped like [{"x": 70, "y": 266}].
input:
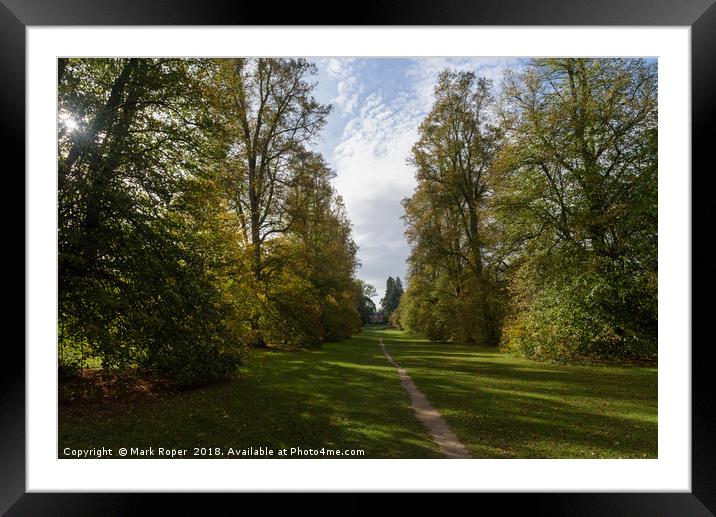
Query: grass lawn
[
  {"x": 343, "y": 396},
  {"x": 504, "y": 407},
  {"x": 347, "y": 396}
]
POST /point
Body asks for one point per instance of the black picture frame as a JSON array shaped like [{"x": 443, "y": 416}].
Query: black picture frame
[{"x": 700, "y": 15}]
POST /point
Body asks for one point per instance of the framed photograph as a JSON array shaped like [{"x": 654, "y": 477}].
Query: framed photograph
[{"x": 429, "y": 248}]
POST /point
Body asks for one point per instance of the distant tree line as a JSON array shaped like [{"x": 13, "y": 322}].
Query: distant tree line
[
  {"x": 193, "y": 217},
  {"x": 369, "y": 313},
  {"x": 534, "y": 221}
]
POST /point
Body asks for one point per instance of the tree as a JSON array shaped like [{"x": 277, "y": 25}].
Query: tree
[
  {"x": 193, "y": 218},
  {"x": 269, "y": 116},
  {"x": 397, "y": 292},
  {"x": 366, "y": 306},
  {"x": 393, "y": 292},
  {"x": 386, "y": 301},
  {"x": 534, "y": 220},
  {"x": 577, "y": 207},
  {"x": 448, "y": 225},
  {"x": 324, "y": 255},
  {"x": 133, "y": 288}
]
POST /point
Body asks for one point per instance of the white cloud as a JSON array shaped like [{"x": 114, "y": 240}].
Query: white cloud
[
  {"x": 373, "y": 178},
  {"x": 341, "y": 70},
  {"x": 370, "y": 157},
  {"x": 425, "y": 72},
  {"x": 336, "y": 67}
]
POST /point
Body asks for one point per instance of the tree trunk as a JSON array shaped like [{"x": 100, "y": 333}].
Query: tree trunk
[{"x": 475, "y": 240}]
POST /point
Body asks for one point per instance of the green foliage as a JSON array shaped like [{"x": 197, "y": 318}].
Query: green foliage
[
  {"x": 534, "y": 222},
  {"x": 133, "y": 287},
  {"x": 583, "y": 312},
  {"x": 366, "y": 306},
  {"x": 393, "y": 293},
  {"x": 297, "y": 239},
  {"x": 577, "y": 204},
  {"x": 421, "y": 309},
  {"x": 182, "y": 239},
  {"x": 454, "y": 291}
]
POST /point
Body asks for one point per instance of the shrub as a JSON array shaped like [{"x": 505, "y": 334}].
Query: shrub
[
  {"x": 597, "y": 313},
  {"x": 195, "y": 363}
]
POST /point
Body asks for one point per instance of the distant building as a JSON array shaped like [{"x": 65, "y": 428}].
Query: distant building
[{"x": 377, "y": 317}]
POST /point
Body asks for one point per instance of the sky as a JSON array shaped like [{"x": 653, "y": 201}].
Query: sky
[{"x": 378, "y": 105}]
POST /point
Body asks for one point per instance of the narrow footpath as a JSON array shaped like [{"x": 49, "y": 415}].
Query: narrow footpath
[{"x": 441, "y": 433}]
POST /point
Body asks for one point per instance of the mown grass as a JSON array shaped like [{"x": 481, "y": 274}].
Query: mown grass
[
  {"x": 343, "y": 396},
  {"x": 347, "y": 396},
  {"x": 504, "y": 407}
]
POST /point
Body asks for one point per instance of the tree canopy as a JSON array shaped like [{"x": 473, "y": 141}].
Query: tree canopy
[
  {"x": 534, "y": 220},
  {"x": 194, "y": 219},
  {"x": 391, "y": 300}
]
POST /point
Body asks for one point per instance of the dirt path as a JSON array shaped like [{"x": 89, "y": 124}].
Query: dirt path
[{"x": 449, "y": 444}]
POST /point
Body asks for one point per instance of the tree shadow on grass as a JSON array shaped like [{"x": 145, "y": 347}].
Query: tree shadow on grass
[
  {"x": 503, "y": 407},
  {"x": 344, "y": 396}
]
